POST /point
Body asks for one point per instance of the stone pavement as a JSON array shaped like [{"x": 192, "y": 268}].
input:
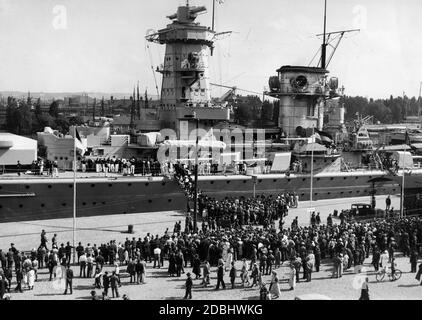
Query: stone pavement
[{"x": 159, "y": 285}]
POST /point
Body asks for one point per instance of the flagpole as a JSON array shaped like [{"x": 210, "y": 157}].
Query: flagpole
[
  {"x": 74, "y": 194},
  {"x": 403, "y": 177},
  {"x": 312, "y": 167}
]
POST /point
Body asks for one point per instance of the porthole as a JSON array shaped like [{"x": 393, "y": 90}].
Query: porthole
[
  {"x": 103, "y": 202},
  {"x": 163, "y": 184},
  {"x": 170, "y": 200},
  {"x": 50, "y": 186},
  {"x": 259, "y": 181},
  {"x": 1, "y": 207},
  {"x": 212, "y": 182},
  {"x": 84, "y": 203},
  {"x": 129, "y": 184},
  {"x": 64, "y": 204},
  {"x": 331, "y": 178},
  {"x": 26, "y": 187},
  {"x": 149, "y": 201},
  {"x": 70, "y": 186},
  {"x": 228, "y": 182},
  {"x": 275, "y": 180},
  {"x": 92, "y": 185},
  {"x": 303, "y": 179},
  {"x": 42, "y": 205},
  {"x": 146, "y": 184},
  {"x": 94, "y": 203},
  {"x": 344, "y": 178},
  {"x": 289, "y": 180},
  {"x": 244, "y": 181},
  {"x": 110, "y": 185},
  {"x": 318, "y": 179},
  {"x": 21, "y": 206}
]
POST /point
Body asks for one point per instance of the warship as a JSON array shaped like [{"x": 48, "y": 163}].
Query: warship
[{"x": 305, "y": 94}]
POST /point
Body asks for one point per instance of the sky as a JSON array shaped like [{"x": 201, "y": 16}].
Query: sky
[{"x": 99, "y": 45}]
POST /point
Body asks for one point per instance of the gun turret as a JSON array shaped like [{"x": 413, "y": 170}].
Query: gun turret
[{"x": 187, "y": 14}]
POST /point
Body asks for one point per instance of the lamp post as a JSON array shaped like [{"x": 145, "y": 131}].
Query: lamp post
[
  {"x": 402, "y": 184},
  {"x": 312, "y": 168},
  {"x": 195, "y": 207}
]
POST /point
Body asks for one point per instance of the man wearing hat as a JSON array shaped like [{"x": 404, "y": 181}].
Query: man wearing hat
[{"x": 188, "y": 287}]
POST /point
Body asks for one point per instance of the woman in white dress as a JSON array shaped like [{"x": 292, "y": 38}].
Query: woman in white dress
[
  {"x": 244, "y": 275},
  {"x": 229, "y": 260},
  {"x": 292, "y": 276},
  {"x": 31, "y": 279},
  {"x": 274, "y": 287}
]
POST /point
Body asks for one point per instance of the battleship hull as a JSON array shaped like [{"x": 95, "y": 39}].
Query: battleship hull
[{"x": 39, "y": 199}]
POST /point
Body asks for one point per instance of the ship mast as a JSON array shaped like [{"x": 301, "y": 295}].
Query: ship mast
[{"x": 324, "y": 43}]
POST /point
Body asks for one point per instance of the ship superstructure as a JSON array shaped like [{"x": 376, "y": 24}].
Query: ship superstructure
[{"x": 186, "y": 91}]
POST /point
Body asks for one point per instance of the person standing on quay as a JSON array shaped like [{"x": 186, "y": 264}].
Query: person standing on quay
[
  {"x": 114, "y": 282},
  {"x": 364, "y": 295},
  {"x": 220, "y": 276},
  {"x": 419, "y": 274},
  {"x": 188, "y": 287},
  {"x": 233, "y": 274},
  {"x": 69, "y": 280}
]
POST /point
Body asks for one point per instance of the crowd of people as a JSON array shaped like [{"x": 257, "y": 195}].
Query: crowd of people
[
  {"x": 243, "y": 211},
  {"x": 261, "y": 250},
  {"x": 123, "y": 166}
]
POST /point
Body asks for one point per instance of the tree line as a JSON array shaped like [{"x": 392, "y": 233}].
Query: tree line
[
  {"x": 392, "y": 110},
  {"x": 25, "y": 118}
]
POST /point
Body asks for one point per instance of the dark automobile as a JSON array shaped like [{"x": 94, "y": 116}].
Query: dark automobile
[{"x": 360, "y": 210}]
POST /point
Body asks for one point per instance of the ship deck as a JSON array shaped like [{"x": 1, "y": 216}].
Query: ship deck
[{"x": 98, "y": 177}]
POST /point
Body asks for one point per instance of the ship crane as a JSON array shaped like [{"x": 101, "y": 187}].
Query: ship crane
[{"x": 231, "y": 94}]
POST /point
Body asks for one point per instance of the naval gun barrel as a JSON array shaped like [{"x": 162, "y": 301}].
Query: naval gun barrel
[
  {"x": 187, "y": 14},
  {"x": 196, "y": 10},
  {"x": 172, "y": 17}
]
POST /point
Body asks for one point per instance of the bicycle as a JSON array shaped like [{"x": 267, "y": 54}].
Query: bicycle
[{"x": 393, "y": 277}]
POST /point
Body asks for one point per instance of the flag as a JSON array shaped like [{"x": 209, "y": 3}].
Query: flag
[
  {"x": 78, "y": 136},
  {"x": 78, "y": 142},
  {"x": 325, "y": 138}
]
